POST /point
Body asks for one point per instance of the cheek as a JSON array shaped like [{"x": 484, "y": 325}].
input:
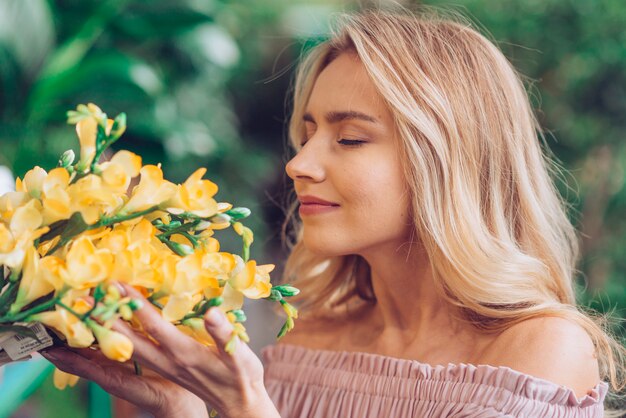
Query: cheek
[{"x": 379, "y": 206}]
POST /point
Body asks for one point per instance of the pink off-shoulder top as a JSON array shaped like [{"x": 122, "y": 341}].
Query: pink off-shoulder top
[{"x": 312, "y": 383}]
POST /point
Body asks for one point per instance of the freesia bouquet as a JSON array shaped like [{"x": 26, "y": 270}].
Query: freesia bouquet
[{"x": 66, "y": 235}]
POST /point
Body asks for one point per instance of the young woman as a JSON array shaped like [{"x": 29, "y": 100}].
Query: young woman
[{"x": 434, "y": 254}]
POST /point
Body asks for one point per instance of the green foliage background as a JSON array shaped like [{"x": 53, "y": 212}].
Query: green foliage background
[{"x": 204, "y": 82}]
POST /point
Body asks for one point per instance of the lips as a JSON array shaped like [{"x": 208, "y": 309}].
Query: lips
[
  {"x": 314, "y": 200},
  {"x": 313, "y": 205}
]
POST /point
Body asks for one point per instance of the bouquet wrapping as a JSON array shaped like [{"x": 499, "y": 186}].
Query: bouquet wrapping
[{"x": 68, "y": 234}]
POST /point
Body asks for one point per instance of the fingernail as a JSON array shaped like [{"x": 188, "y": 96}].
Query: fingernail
[
  {"x": 48, "y": 355},
  {"x": 214, "y": 316},
  {"x": 121, "y": 288}
]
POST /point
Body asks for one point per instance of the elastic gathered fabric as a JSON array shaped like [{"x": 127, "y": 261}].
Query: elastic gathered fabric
[{"x": 304, "y": 382}]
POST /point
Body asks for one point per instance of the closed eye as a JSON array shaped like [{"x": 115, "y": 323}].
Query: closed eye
[{"x": 351, "y": 142}]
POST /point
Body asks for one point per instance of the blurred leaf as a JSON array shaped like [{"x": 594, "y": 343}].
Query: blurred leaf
[
  {"x": 150, "y": 25},
  {"x": 105, "y": 69}
]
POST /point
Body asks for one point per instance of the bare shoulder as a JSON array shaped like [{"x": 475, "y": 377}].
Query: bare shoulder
[{"x": 551, "y": 348}]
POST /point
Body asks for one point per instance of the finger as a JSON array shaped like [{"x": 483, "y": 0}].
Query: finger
[
  {"x": 95, "y": 355},
  {"x": 242, "y": 358},
  {"x": 218, "y": 326},
  {"x": 115, "y": 378},
  {"x": 151, "y": 320},
  {"x": 144, "y": 350},
  {"x": 73, "y": 363}
]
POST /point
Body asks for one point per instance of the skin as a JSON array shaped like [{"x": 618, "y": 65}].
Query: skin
[
  {"x": 183, "y": 374},
  {"x": 372, "y": 219},
  {"x": 409, "y": 319}
]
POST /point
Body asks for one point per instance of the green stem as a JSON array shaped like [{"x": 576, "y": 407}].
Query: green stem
[
  {"x": 104, "y": 222},
  {"x": 183, "y": 228},
  {"x": 23, "y": 315},
  {"x": 117, "y": 219},
  {"x": 171, "y": 246},
  {"x": 101, "y": 140},
  {"x": 70, "y": 310}
]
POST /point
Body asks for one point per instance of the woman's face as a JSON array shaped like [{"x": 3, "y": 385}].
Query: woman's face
[{"x": 348, "y": 176}]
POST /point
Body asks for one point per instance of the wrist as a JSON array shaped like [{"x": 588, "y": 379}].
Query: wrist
[
  {"x": 258, "y": 406},
  {"x": 187, "y": 406}
]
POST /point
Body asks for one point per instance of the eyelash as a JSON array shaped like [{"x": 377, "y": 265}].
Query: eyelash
[
  {"x": 351, "y": 142},
  {"x": 345, "y": 142}
]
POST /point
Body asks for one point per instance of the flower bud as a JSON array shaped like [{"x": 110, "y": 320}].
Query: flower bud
[
  {"x": 113, "y": 293},
  {"x": 67, "y": 158},
  {"x": 221, "y": 218},
  {"x": 113, "y": 345},
  {"x": 135, "y": 304},
  {"x": 216, "y": 301},
  {"x": 181, "y": 249},
  {"x": 238, "y": 314},
  {"x": 119, "y": 125},
  {"x": 126, "y": 312},
  {"x": 287, "y": 290},
  {"x": 275, "y": 295},
  {"x": 289, "y": 309},
  {"x": 239, "y": 213}
]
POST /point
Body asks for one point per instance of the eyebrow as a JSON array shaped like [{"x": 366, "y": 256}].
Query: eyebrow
[{"x": 339, "y": 116}]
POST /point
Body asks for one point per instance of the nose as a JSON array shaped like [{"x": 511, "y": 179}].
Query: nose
[{"x": 307, "y": 164}]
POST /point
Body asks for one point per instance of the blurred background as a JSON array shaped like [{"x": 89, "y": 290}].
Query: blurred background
[{"x": 203, "y": 83}]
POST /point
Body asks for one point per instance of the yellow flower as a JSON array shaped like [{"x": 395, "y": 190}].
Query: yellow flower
[
  {"x": 137, "y": 254},
  {"x": 194, "y": 196},
  {"x": 33, "y": 182},
  {"x": 62, "y": 379},
  {"x": 152, "y": 190},
  {"x": 55, "y": 199},
  {"x": 89, "y": 197},
  {"x": 87, "y": 131},
  {"x": 39, "y": 278},
  {"x": 218, "y": 264},
  {"x": 252, "y": 280},
  {"x": 118, "y": 172},
  {"x": 18, "y": 237},
  {"x": 117, "y": 239},
  {"x": 233, "y": 299},
  {"x": 11, "y": 201},
  {"x": 86, "y": 265},
  {"x": 75, "y": 331},
  {"x": 184, "y": 280},
  {"x": 179, "y": 305},
  {"x": 113, "y": 345},
  {"x": 26, "y": 218}
]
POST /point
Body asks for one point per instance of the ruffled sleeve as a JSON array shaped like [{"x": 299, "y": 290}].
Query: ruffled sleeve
[{"x": 305, "y": 382}]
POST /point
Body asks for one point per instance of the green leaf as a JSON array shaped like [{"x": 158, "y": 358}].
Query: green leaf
[
  {"x": 158, "y": 24},
  {"x": 75, "y": 226},
  {"x": 112, "y": 67}
]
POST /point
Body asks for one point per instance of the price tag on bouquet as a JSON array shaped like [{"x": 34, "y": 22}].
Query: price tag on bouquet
[{"x": 20, "y": 346}]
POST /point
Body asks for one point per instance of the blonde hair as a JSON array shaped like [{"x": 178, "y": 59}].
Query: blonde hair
[{"x": 486, "y": 211}]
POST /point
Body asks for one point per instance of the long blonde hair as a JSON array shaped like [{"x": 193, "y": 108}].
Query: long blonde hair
[{"x": 485, "y": 208}]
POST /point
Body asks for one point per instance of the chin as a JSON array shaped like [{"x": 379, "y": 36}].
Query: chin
[{"x": 326, "y": 248}]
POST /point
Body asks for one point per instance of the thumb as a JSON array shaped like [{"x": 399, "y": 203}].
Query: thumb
[{"x": 218, "y": 326}]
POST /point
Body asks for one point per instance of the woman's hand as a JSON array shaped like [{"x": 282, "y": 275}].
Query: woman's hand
[
  {"x": 149, "y": 391},
  {"x": 230, "y": 383}
]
